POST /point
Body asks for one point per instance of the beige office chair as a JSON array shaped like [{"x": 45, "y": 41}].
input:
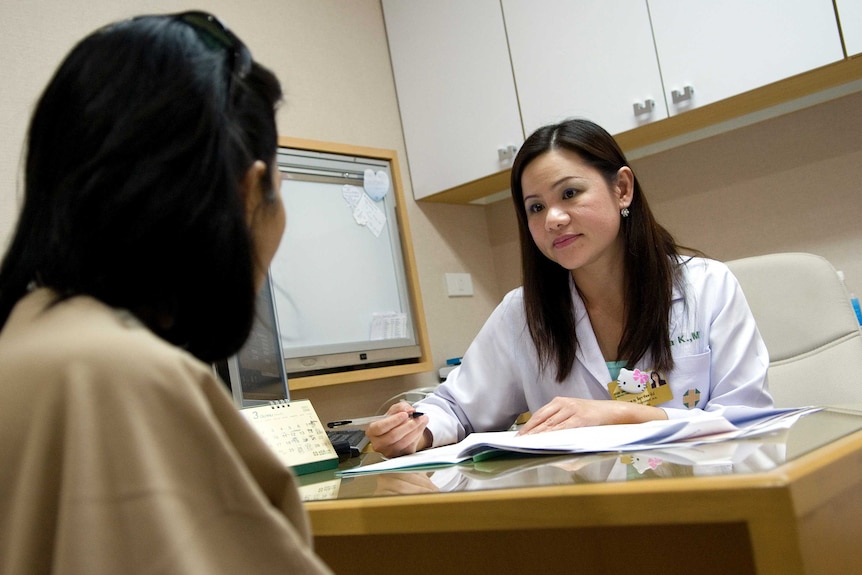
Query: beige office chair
[{"x": 804, "y": 314}]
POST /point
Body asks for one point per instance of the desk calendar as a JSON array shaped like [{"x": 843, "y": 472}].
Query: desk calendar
[{"x": 293, "y": 430}]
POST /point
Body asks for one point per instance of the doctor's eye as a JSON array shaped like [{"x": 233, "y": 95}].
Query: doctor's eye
[{"x": 534, "y": 208}]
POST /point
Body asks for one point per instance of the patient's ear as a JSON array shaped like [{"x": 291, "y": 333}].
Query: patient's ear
[{"x": 252, "y": 188}]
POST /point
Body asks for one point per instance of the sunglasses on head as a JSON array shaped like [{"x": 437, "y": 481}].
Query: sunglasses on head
[{"x": 217, "y": 37}]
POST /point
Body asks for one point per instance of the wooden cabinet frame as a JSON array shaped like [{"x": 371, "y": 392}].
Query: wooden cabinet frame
[{"x": 425, "y": 363}]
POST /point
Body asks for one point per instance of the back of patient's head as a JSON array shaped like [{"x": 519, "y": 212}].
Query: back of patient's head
[{"x": 135, "y": 153}]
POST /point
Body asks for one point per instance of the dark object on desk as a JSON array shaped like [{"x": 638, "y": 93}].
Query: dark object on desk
[
  {"x": 256, "y": 375},
  {"x": 347, "y": 442},
  {"x": 366, "y": 420}
]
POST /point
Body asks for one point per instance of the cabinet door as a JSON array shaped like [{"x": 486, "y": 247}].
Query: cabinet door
[
  {"x": 455, "y": 89},
  {"x": 586, "y": 58},
  {"x": 720, "y": 48},
  {"x": 850, "y": 14}
]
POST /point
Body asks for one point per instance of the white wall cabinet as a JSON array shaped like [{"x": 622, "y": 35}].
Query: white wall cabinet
[
  {"x": 720, "y": 48},
  {"x": 605, "y": 60},
  {"x": 850, "y": 14},
  {"x": 455, "y": 89},
  {"x": 588, "y": 58},
  {"x": 477, "y": 76}
]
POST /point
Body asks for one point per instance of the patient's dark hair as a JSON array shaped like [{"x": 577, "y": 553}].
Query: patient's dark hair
[{"x": 134, "y": 157}]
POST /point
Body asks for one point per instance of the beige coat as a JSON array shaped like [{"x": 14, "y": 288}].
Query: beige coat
[{"x": 120, "y": 453}]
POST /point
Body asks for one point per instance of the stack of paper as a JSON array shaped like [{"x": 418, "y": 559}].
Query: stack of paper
[{"x": 701, "y": 428}]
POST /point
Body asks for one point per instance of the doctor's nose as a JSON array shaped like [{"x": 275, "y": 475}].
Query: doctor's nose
[{"x": 556, "y": 218}]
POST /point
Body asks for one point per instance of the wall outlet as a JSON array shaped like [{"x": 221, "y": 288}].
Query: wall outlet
[{"x": 458, "y": 285}]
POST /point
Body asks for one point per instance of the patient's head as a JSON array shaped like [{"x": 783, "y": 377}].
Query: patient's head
[{"x": 142, "y": 154}]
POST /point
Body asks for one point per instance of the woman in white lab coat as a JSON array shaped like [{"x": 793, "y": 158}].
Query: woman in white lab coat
[{"x": 610, "y": 306}]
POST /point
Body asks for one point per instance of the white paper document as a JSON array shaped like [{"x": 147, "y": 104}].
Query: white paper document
[
  {"x": 702, "y": 428},
  {"x": 388, "y": 325}
]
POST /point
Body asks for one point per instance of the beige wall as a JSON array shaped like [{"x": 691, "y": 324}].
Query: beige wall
[
  {"x": 333, "y": 60},
  {"x": 792, "y": 183}
]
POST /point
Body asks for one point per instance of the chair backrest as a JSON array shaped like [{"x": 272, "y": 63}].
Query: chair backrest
[{"x": 805, "y": 316}]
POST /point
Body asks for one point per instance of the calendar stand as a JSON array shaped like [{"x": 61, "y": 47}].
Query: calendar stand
[{"x": 294, "y": 432}]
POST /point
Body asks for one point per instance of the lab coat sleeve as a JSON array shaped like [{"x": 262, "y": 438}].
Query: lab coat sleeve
[
  {"x": 738, "y": 357},
  {"x": 485, "y": 392}
]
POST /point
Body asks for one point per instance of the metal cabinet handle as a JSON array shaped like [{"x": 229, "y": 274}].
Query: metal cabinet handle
[
  {"x": 645, "y": 108},
  {"x": 507, "y": 153},
  {"x": 686, "y": 94}
]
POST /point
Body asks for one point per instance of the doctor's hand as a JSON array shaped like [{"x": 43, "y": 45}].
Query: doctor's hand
[
  {"x": 568, "y": 412},
  {"x": 404, "y": 484},
  {"x": 399, "y": 434}
]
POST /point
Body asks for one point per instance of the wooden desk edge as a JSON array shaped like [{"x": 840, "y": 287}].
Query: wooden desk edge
[{"x": 787, "y": 491}]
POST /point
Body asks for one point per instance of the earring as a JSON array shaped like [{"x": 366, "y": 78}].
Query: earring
[{"x": 624, "y": 212}]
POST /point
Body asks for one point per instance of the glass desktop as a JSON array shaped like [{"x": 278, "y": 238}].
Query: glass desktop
[{"x": 733, "y": 457}]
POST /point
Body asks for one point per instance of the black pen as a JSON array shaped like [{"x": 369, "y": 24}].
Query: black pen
[{"x": 366, "y": 420}]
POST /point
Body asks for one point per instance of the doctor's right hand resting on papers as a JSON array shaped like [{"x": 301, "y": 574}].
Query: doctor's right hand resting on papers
[{"x": 398, "y": 434}]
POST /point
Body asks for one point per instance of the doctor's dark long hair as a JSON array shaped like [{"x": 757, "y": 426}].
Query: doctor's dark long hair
[
  {"x": 135, "y": 154},
  {"x": 651, "y": 255}
]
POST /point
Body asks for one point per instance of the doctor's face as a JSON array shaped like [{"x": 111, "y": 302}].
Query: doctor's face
[{"x": 573, "y": 213}]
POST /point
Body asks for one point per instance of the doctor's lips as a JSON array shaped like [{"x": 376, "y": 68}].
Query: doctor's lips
[{"x": 565, "y": 240}]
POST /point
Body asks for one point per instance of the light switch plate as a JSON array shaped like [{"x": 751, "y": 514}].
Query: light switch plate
[{"x": 458, "y": 285}]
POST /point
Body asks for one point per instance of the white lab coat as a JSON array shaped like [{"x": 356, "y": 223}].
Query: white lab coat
[{"x": 717, "y": 350}]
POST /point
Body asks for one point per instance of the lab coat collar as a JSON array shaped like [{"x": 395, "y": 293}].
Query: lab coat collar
[{"x": 588, "y": 352}]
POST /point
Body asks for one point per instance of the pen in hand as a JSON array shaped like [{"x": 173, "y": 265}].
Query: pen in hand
[{"x": 366, "y": 420}]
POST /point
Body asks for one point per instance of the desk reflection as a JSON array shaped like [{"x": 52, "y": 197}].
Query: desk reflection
[{"x": 527, "y": 471}]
